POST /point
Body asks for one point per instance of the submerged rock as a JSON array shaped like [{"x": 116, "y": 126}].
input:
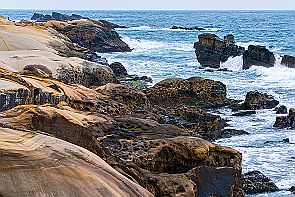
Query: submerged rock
[
  {"x": 255, "y": 182},
  {"x": 188, "y": 28},
  {"x": 227, "y": 133},
  {"x": 211, "y": 50},
  {"x": 289, "y": 61},
  {"x": 245, "y": 113},
  {"x": 286, "y": 121},
  {"x": 258, "y": 56},
  {"x": 255, "y": 100},
  {"x": 281, "y": 110}
]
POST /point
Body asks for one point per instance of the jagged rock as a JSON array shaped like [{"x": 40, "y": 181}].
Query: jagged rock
[
  {"x": 258, "y": 56},
  {"x": 281, "y": 110},
  {"x": 118, "y": 69},
  {"x": 194, "y": 91},
  {"x": 255, "y": 100},
  {"x": 292, "y": 189},
  {"x": 286, "y": 121},
  {"x": 56, "y": 16},
  {"x": 188, "y": 28},
  {"x": 219, "y": 181},
  {"x": 289, "y": 61},
  {"x": 38, "y": 165},
  {"x": 255, "y": 182},
  {"x": 211, "y": 50}
]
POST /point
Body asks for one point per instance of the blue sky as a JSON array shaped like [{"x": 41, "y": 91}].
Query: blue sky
[{"x": 149, "y": 4}]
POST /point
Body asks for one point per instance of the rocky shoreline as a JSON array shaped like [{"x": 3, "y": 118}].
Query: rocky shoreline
[{"x": 156, "y": 141}]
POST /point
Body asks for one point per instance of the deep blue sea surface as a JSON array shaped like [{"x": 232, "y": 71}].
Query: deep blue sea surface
[{"x": 161, "y": 53}]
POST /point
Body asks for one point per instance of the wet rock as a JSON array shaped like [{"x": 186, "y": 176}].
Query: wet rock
[
  {"x": 195, "y": 91},
  {"x": 292, "y": 189},
  {"x": 281, "y": 110},
  {"x": 217, "y": 181},
  {"x": 188, "y": 28},
  {"x": 227, "y": 133},
  {"x": 258, "y": 56},
  {"x": 118, "y": 69},
  {"x": 286, "y": 121},
  {"x": 211, "y": 50},
  {"x": 255, "y": 100},
  {"x": 255, "y": 182},
  {"x": 245, "y": 113},
  {"x": 289, "y": 61}
]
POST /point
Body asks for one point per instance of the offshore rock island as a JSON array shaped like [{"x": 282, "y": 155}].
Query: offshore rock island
[{"x": 67, "y": 114}]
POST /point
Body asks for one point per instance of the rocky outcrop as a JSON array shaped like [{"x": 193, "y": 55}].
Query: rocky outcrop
[
  {"x": 286, "y": 121},
  {"x": 194, "y": 91},
  {"x": 255, "y": 100},
  {"x": 56, "y": 16},
  {"x": 258, "y": 56},
  {"x": 119, "y": 70},
  {"x": 288, "y": 61},
  {"x": 281, "y": 110},
  {"x": 211, "y": 50},
  {"x": 255, "y": 182},
  {"x": 33, "y": 164},
  {"x": 188, "y": 28}
]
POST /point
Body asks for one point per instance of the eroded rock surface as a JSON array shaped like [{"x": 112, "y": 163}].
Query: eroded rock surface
[
  {"x": 289, "y": 61},
  {"x": 211, "y": 50},
  {"x": 286, "y": 121},
  {"x": 258, "y": 56}
]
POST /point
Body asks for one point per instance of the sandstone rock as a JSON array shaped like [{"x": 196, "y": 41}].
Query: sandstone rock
[
  {"x": 281, "y": 110},
  {"x": 38, "y": 165},
  {"x": 258, "y": 56},
  {"x": 211, "y": 50},
  {"x": 118, "y": 69},
  {"x": 255, "y": 100},
  {"x": 286, "y": 121},
  {"x": 255, "y": 182},
  {"x": 289, "y": 61},
  {"x": 194, "y": 91}
]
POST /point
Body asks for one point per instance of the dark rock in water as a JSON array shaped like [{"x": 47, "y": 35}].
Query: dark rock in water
[
  {"x": 255, "y": 182},
  {"x": 37, "y": 16},
  {"x": 281, "y": 110},
  {"x": 292, "y": 189},
  {"x": 258, "y": 56},
  {"x": 245, "y": 113},
  {"x": 56, "y": 16},
  {"x": 211, "y": 50},
  {"x": 227, "y": 133},
  {"x": 195, "y": 91},
  {"x": 188, "y": 28},
  {"x": 286, "y": 121},
  {"x": 289, "y": 61},
  {"x": 216, "y": 182},
  {"x": 256, "y": 100},
  {"x": 118, "y": 69}
]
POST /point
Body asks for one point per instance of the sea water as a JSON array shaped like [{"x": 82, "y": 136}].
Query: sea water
[{"x": 160, "y": 53}]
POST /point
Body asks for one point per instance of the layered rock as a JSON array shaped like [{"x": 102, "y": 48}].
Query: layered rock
[
  {"x": 194, "y": 91},
  {"x": 258, "y": 56},
  {"x": 255, "y": 100},
  {"x": 286, "y": 121},
  {"x": 255, "y": 182},
  {"x": 211, "y": 50},
  {"x": 38, "y": 165},
  {"x": 289, "y": 61}
]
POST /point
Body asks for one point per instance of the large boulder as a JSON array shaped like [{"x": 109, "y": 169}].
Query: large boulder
[
  {"x": 289, "y": 61},
  {"x": 33, "y": 164},
  {"x": 255, "y": 100},
  {"x": 258, "y": 56},
  {"x": 194, "y": 91},
  {"x": 255, "y": 182},
  {"x": 286, "y": 121},
  {"x": 211, "y": 50}
]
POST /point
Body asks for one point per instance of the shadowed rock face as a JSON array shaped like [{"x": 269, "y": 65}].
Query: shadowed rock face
[
  {"x": 289, "y": 61},
  {"x": 38, "y": 165},
  {"x": 258, "y": 56},
  {"x": 286, "y": 121},
  {"x": 211, "y": 50}
]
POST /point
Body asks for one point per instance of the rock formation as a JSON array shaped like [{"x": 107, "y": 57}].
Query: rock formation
[
  {"x": 286, "y": 121},
  {"x": 258, "y": 56},
  {"x": 211, "y": 50},
  {"x": 188, "y": 28},
  {"x": 289, "y": 61}
]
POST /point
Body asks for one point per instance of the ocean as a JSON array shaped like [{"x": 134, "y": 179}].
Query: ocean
[{"x": 160, "y": 53}]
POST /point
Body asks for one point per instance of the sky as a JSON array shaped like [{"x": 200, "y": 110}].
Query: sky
[{"x": 149, "y": 4}]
